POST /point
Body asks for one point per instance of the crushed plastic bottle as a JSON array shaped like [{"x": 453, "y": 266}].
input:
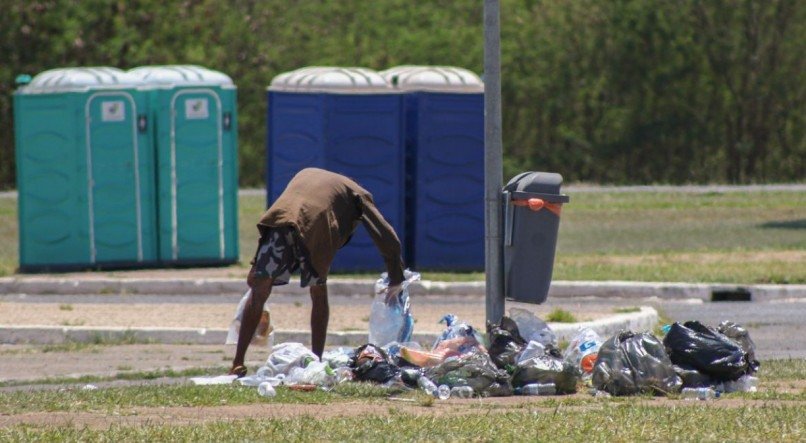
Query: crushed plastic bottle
[
  {"x": 443, "y": 392},
  {"x": 699, "y": 394},
  {"x": 746, "y": 383},
  {"x": 428, "y": 386},
  {"x": 538, "y": 389},
  {"x": 265, "y": 389},
  {"x": 461, "y": 392}
]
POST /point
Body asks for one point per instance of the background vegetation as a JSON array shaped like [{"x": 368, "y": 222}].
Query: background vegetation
[
  {"x": 733, "y": 237},
  {"x": 619, "y": 91}
]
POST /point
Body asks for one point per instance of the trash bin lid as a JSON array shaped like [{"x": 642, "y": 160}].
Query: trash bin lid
[
  {"x": 180, "y": 75},
  {"x": 537, "y": 184},
  {"x": 330, "y": 79},
  {"x": 78, "y": 80},
  {"x": 434, "y": 78}
]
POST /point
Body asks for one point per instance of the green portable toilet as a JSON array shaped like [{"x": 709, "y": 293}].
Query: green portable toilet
[
  {"x": 84, "y": 171},
  {"x": 193, "y": 110}
]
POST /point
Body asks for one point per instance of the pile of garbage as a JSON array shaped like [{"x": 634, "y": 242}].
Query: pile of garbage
[{"x": 520, "y": 355}]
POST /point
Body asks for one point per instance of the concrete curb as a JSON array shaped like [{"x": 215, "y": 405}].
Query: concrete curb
[
  {"x": 644, "y": 320},
  {"x": 229, "y": 286}
]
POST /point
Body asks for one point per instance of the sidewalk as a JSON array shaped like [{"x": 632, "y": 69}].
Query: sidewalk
[
  {"x": 196, "y": 306},
  {"x": 231, "y": 280}
]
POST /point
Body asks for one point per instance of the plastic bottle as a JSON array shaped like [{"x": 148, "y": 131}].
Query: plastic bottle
[
  {"x": 698, "y": 394},
  {"x": 539, "y": 389},
  {"x": 443, "y": 392},
  {"x": 428, "y": 386},
  {"x": 461, "y": 392},
  {"x": 746, "y": 383},
  {"x": 265, "y": 389}
]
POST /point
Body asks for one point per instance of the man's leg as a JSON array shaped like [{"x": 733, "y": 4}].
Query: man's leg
[
  {"x": 320, "y": 314},
  {"x": 261, "y": 288}
]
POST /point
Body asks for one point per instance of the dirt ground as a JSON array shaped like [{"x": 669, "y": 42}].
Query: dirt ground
[{"x": 178, "y": 416}]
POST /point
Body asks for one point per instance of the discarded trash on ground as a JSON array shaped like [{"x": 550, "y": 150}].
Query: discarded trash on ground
[
  {"x": 630, "y": 363},
  {"x": 216, "y": 380},
  {"x": 519, "y": 355}
]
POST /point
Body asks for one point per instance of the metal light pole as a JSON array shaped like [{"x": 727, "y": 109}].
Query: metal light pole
[{"x": 493, "y": 170}]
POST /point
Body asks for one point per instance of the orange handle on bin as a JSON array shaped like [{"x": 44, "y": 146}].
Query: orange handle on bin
[{"x": 536, "y": 204}]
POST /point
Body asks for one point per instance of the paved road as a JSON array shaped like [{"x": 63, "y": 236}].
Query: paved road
[{"x": 776, "y": 327}]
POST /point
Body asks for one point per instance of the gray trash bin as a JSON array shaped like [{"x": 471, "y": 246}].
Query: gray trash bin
[{"x": 532, "y": 205}]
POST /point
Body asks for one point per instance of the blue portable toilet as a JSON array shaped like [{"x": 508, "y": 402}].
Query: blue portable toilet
[
  {"x": 444, "y": 109},
  {"x": 194, "y": 114},
  {"x": 345, "y": 120},
  {"x": 85, "y": 171}
]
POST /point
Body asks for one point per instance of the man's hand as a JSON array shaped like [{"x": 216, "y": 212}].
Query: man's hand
[{"x": 391, "y": 294}]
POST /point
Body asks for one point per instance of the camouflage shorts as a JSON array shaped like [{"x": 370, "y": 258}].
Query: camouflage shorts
[{"x": 280, "y": 253}]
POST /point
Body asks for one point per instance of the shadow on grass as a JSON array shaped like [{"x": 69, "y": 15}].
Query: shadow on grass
[{"x": 785, "y": 224}]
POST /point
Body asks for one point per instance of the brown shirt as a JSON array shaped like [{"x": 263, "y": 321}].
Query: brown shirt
[{"x": 325, "y": 208}]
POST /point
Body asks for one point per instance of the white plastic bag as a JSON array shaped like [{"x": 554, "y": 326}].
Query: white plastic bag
[
  {"x": 532, "y": 328},
  {"x": 264, "y": 334},
  {"x": 214, "y": 380},
  {"x": 285, "y": 357},
  {"x": 583, "y": 350},
  {"x": 389, "y": 323},
  {"x": 315, "y": 373}
]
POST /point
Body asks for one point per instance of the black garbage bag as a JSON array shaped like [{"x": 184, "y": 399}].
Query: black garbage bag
[
  {"x": 691, "y": 377},
  {"x": 740, "y": 335},
  {"x": 371, "y": 363},
  {"x": 706, "y": 350},
  {"x": 474, "y": 369},
  {"x": 630, "y": 363},
  {"x": 506, "y": 343},
  {"x": 547, "y": 369}
]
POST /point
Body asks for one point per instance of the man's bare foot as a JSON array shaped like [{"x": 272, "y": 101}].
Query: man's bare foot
[{"x": 240, "y": 371}]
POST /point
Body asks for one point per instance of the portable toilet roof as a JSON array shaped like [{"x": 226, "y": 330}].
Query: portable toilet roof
[
  {"x": 181, "y": 75},
  {"x": 433, "y": 78},
  {"x": 330, "y": 79},
  {"x": 79, "y": 80}
]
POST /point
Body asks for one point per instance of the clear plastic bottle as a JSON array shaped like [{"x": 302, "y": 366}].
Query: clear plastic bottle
[
  {"x": 746, "y": 383},
  {"x": 461, "y": 392},
  {"x": 539, "y": 389},
  {"x": 698, "y": 394},
  {"x": 443, "y": 392},
  {"x": 265, "y": 389},
  {"x": 428, "y": 386}
]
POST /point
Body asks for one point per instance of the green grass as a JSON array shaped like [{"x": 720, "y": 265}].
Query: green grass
[
  {"x": 735, "y": 237},
  {"x": 764, "y": 416},
  {"x": 626, "y": 310},
  {"x": 131, "y": 376},
  {"x": 616, "y": 422},
  {"x": 560, "y": 315}
]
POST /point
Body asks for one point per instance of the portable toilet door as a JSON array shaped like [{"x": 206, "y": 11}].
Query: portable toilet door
[
  {"x": 445, "y": 165},
  {"x": 194, "y": 110},
  {"x": 348, "y": 121},
  {"x": 84, "y": 171}
]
